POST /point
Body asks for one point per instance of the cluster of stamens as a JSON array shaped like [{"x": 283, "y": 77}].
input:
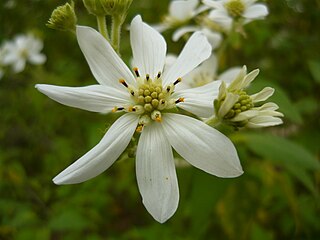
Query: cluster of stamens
[
  {"x": 235, "y": 8},
  {"x": 149, "y": 98},
  {"x": 244, "y": 103}
]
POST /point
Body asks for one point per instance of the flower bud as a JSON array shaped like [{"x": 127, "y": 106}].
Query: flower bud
[
  {"x": 116, "y": 8},
  {"x": 95, "y": 7},
  {"x": 63, "y": 18}
]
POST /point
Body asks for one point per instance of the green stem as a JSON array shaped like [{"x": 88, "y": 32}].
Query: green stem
[
  {"x": 213, "y": 122},
  {"x": 102, "y": 26},
  {"x": 115, "y": 33}
]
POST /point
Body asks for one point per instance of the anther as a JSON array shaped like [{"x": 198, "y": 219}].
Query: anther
[
  {"x": 159, "y": 75},
  {"x": 179, "y": 100},
  {"x": 136, "y": 71},
  {"x": 177, "y": 81},
  {"x": 123, "y": 82},
  {"x": 168, "y": 88},
  {"x": 147, "y": 77},
  {"x": 115, "y": 109},
  {"x": 156, "y": 116}
]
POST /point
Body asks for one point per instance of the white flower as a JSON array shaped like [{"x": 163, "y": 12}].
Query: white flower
[
  {"x": 145, "y": 99},
  {"x": 205, "y": 73},
  {"x": 180, "y": 13},
  {"x": 235, "y": 107},
  {"x": 214, "y": 38},
  {"x": 22, "y": 49},
  {"x": 226, "y": 11}
]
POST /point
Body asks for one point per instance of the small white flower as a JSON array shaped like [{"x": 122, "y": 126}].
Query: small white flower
[
  {"x": 235, "y": 107},
  {"x": 22, "y": 49},
  {"x": 225, "y": 12},
  {"x": 145, "y": 98}
]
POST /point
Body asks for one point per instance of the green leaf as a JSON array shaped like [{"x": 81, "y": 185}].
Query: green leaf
[
  {"x": 288, "y": 154},
  {"x": 314, "y": 67}
]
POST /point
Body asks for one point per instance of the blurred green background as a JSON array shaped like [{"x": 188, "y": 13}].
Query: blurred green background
[{"x": 276, "y": 198}]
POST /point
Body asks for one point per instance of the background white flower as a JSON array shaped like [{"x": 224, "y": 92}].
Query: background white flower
[
  {"x": 225, "y": 12},
  {"x": 24, "y": 48},
  {"x": 119, "y": 90}
]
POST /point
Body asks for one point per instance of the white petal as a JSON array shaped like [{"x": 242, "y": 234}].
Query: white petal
[
  {"x": 229, "y": 75},
  {"x": 103, "y": 155},
  {"x": 213, "y": 37},
  {"x": 269, "y": 106},
  {"x": 199, "y": 101},
  {"x": 95, "y": 98},
  {"x": 37, "y": 58},
  {"x": 256, "y": 11},
  {"x": 245, "y": 115},
  {"x": 182, "y": 10},
  {"x": 196, "y": 50},
  {"x": 264, "y": 121},
  {"x": 202, "y": 146},
  {"x": 227, "y": 104},
  {"x": 106, "y": 66},
  {"x": 156, "y": 174},
  {"x": 213, "y": 4},
  {"x": 148, "y": 47},
  {"x": 182, "y": 31},
  {"x": 249, "y": 78},
  {"x": 263, "y": 95},
  {"x": 221, "y": 17},
  {"x": 19, "y": 65}
]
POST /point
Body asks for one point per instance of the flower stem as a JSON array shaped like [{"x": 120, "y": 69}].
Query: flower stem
[
  {"x": 115, "y": 33},
  {"x": 102, "y": 26}
]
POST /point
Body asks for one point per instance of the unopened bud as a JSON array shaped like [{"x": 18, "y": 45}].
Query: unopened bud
[
  {"x": 63, "y": 18},
  {"x": 95, "y": 7}
]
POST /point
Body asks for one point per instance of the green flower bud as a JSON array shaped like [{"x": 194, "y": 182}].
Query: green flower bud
[
  {"x": 116, "y": 7},
  {"x": 63, "y": 18},
  {"x": 95, "y": 7}
]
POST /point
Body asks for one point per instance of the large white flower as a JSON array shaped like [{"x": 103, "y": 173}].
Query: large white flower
[
  {"x": 145, "y": 98},
  {"x": 22, "y": 49},
  {"x": 226, "y": 11}
]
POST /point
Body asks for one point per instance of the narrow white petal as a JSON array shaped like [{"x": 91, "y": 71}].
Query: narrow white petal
[
  {"x": 213, "y": 37},
  {"x": 264, "y": 121},
  {"x": 263, "y": 95},
  {"x": 202, "y": 146},
  {"x": 196, "y": 50},
  {"x": 95, "y": 98},
  {"x": 182, "y": 31},
  {"x": 249, "y": 78},
  {"x": 236, "y": 84},
  {"x": 148, "y": 47},
  {"x": 245, "y": 115},
  {"x": 103, "y": 155},
  {"x": 227, "y": 104},
  {"x": 182, "y": 10},
  {"x": 256, "y": 11},
  {"x": 156, "y": 174},
  {"x": 105, "y": 64},
  {"x": 269, "y": 106},
  {"x": 199, "y": 101},
  {"x": 221, "y": 17}
]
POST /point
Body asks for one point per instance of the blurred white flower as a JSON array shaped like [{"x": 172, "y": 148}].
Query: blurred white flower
[
  {"x": 235, "y": 107},
  {"x": 214, "y": 38},
  {"x": 24, "y": 48},
  {"x": 143, "y": 98},
  {"x": 225, "y": 12}
]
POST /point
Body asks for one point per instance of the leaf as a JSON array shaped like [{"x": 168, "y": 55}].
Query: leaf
[
  {"x": 314, "y": 67},
  {"x": 288, "y": 154}
]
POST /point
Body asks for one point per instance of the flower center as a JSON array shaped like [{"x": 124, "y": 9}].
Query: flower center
[
  {"x": 235, "y": 8},
  {"x": 150, "y": 98},
  {"x": 244, "y": 103}
]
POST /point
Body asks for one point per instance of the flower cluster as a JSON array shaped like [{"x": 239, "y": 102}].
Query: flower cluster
[{"x": 17, "y": 52}]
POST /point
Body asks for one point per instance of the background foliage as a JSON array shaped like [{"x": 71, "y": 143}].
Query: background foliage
[{"x": 276, "y": 198}]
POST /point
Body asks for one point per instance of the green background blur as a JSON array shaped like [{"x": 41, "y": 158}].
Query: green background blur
[{"x": 276, "y": 198}]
